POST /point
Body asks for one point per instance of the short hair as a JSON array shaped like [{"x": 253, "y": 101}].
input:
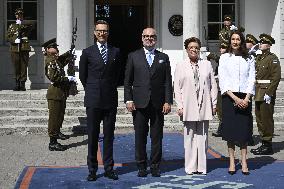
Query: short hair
[
  {"x": 191, "y": 39},
  {"x": 101, "y": 22}
]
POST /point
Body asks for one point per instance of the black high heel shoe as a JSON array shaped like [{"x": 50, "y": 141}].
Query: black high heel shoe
[
  {"x": 232, "y": 172},
  {"x": 245, "y": 173}
]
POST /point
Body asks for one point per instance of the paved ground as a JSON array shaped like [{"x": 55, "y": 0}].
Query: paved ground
[{"x": 21, "y": 149}]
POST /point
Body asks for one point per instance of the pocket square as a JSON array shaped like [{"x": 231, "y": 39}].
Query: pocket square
[{"x": 161, "y": 61}]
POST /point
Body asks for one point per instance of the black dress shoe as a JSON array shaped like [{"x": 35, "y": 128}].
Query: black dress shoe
[
  {"x": 156, "y": 172},
  {"x": 142, "y": 173},
  {"x": 56, "y": 147},
  {"x": 61, "y": 136},
  {"x": 111, "y": 175},
  {"x": 92, "y": 176}
]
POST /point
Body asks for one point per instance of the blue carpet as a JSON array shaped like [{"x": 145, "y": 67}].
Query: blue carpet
[{"x": 265, "y": 172}]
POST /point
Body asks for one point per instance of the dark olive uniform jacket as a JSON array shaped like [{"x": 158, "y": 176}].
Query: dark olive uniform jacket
[
  {"x": 54, "y": 70},
  {"x": 267, "y": 68},
  {"x": 13, "y": 33},
  {"x": 224, "y": 35}
]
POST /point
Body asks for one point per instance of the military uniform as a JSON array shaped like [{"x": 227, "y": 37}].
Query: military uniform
[
  {"x": 57, "y": 92},
  {"x": 17, "y": 35},
  {"x": 268, "y": 74},
  {"x": 225, "y": 33},
  {"x": 251, "y": 39}
]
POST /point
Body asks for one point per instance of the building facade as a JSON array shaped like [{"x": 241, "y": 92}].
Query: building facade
[{"x": 174, "y": 21}]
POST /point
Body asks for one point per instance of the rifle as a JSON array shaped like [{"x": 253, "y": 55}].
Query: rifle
[
  {"x": 206, "y": 38},
  {"x": 71, "y": 65}
]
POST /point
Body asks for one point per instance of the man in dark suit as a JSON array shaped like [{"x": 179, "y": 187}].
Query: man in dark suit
[
  {"x": 148, "y": 95},
  {"x": 98, "y": 71}
]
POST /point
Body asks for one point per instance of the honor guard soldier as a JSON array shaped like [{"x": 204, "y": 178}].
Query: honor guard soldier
[
  {"x": 225, "y": 33},
  {"x": 57, "y": 92},
  {"x": 17, "y": 35},
  {"x": 252, "y": 45},
  {"x": 268, "y": 74}
]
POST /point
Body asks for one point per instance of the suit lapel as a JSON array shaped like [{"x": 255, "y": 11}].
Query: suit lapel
[{"x": 143, "y": 58}]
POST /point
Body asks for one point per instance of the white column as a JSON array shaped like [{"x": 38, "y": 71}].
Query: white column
[
  {"x": 64, "y": 24},
  {"x": 191, "y": 9},
  {"x": 191, "y": 20}
]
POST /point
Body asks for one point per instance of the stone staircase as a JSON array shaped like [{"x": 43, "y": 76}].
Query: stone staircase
[{"x": 27, "y": 111}]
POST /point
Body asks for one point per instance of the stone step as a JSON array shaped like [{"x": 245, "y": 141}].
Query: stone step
[
  {"x": 71, "y": 103},
  {"x": 79, "y": 111},
  {"x": 83, "y": 128},
  {"x": 79, "y": 120},
  {"x": 41, "y": 95}
]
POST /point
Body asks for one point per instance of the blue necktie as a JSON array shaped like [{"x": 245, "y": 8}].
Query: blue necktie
[
  {"x": 149, "y": 58},
  {"x": 104, "y": 53}
]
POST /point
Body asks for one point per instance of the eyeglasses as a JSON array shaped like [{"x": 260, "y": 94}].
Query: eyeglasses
[
  {"x": 102, "y": 31},
  {"x": 149, "y": 36}
]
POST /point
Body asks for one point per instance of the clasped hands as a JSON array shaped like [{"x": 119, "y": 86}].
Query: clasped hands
[
  {"x": 241, "y": 103},
  {"x": 131, "y": 107}
]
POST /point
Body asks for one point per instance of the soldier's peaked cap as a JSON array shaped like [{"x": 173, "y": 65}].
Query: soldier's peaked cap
[
  {"x": 251, "y": 39},
  {"x": 228, "y": 17},
  {"x": 19, "y": 11},
  {"x": 50, "y": 43},
  {"x": 265, "y": 38}
]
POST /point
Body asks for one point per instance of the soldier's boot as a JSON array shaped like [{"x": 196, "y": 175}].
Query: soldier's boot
[
  {"x": 17, "y": 87},
  {"x": 22, "y": 86},
  {"x": 257, "y": 149},
  {"x": 56, "y": 146},
  {"x": 265, "y": 150},
  {"x": 62, "y": 136}
]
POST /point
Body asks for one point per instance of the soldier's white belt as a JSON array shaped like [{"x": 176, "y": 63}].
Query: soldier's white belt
[
  {"x": 262, "y": 81},
  {"x": 24, "y": 38}
]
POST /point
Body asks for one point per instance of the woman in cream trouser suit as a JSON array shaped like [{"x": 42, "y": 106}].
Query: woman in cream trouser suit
[{"x": 196, "y": 96}]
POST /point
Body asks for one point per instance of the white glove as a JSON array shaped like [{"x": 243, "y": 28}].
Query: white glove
[
  {"x": 17, "y": 40},
  {"x": 72, "y": 78},
  {"x": 267, "y": 99},
  {"x": 18, "y": 22}
]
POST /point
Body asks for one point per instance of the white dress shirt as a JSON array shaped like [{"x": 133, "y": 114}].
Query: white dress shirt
[
  {"x": 100, "y": 46},
  {"x": 236, "y": 74},
  {"x": 151, "y": 53}
]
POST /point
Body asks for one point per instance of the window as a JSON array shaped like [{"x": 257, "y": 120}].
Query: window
[
  {"x": 30, "y": 14},
  {"x": 216, "y": 9}
]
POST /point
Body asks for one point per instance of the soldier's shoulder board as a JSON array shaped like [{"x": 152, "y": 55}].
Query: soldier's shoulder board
[{"x": 275, "y": 61}]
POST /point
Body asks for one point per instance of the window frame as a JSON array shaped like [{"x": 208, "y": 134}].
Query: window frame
[
  {"x": 32, "y": 42},
  {"x": 222, "y": 2}
]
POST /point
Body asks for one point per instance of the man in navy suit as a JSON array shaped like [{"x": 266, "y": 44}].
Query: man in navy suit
[
  {"x": 148, "y": 95},
  {"x": 99, "y": 71}
]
